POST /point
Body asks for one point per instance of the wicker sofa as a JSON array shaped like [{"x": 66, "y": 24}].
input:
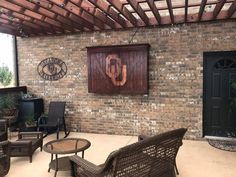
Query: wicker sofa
[
  {"x": 152, "y": 157},
  {"x": 4, "y": 158},
  {"x": 3, "y": 130}
]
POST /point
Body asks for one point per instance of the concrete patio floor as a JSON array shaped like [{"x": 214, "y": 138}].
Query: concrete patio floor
[{"x": 195, "y": 158}]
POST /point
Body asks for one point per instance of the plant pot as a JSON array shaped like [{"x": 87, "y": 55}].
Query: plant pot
[{"x": 9, "y": 111}]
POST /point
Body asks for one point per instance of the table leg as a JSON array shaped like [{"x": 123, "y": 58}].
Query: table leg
[
  {"x": 56, "y": 166},
  {"x": 51, "y": 161},
  {"x": 83, "y": 154}
]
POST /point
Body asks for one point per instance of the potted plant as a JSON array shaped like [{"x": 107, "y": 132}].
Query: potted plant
[
  {"x": 8, "y": 105},
  {"x": 30, "y": 121}
]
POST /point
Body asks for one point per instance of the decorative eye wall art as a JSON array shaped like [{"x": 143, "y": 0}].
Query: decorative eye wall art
[
  {"x": 52, "y": 69},
  {"x": 119, "y": 69}
]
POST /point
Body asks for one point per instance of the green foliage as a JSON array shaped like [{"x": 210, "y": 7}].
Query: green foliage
[
  {"x": 30, "y": 120},
  {"x": 7, "y": 101},
  {"x": 5, "y": 76}
]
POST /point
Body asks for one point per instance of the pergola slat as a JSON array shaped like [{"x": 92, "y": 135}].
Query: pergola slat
[
  {"x": 29, "y": 21},
  {"x": 20, "y": 10},
  {"x": 169, "y": 4},
  {"x": 104, "y": 7},
  {"x": 138, "y": 9},
  {"x": 153, "y": 7},
  {"x": 232, "y": 9},
  {"x": 186, "y": 11},
  {"x": 201, "y": 10},
  {"x": 46, "y": 17},
  {"x": 56, "y": 12},
  {"x": 70, "y": 10},
  {"x": 124, "y": 11},
  {"x": 218, "y": 8}
]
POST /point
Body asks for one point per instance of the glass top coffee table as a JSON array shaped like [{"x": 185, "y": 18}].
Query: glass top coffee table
[{"x": 64, "y": 146}]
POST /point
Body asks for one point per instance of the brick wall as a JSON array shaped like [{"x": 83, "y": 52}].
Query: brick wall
[{"x": 175, "y": 78}]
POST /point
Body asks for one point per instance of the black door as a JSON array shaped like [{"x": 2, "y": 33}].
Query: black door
[{"x": 219, "y": 108}]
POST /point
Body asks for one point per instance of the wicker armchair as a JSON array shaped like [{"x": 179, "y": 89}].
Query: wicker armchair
[
  {"x": 152, "y": 157},
  {"x": 3, "y": 130},
  {"x": 4, "y": 158}
]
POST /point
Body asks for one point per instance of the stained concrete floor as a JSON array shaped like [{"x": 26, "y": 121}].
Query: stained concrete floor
[{"x": 195, "y": 158}]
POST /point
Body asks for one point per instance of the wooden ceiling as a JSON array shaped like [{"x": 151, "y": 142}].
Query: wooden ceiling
[{"x": 49, "y": 17}]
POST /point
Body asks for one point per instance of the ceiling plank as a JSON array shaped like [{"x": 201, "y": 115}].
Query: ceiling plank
[
  {"x": 201, "y": 10},
  {"x": 153, "y": 7},
  {"x": 138, "y": 9},
  {"x": 232, "y": 9},
  {"x": 124, "y": 11},
  {"x": 218, "y": 8},
  {"x": 104, "y": 7},
  {"x": 170, "y": 8}
]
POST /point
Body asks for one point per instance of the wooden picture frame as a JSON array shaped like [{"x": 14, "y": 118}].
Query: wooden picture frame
[{"x": 119, "y": 69}]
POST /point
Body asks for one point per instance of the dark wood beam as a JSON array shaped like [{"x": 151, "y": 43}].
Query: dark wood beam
[
  {"x": 71, "y": 9},
  {"x": 86, "y": 15},
  {"x": 154, "y": 10},
  {"x": 26, "y": 21},
  {"x": 104, "y": 7},
  {"x": 58, "y": 15},
  {"x": 232, "y": 9},
  {"x": 45, "y": 17},
  {"x": 7, "y": 30},
  {"x": 124, "y": 11},
  {"x": 170, "y": 8},
  {"x": 33, "y": 19},
  {"x": 186, "y": 11},
  {"x": 96, "y": 13},
  {"x": 201, "y": 10},
  {"x": 218, "y": 8},
  {"x": 138, "y": 9}
]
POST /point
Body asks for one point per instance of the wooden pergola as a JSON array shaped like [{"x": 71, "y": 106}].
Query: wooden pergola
[{"x": 49, "y": 17}]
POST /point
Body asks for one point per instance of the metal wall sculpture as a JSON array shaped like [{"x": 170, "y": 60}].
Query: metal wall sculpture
[
  {"x": 52, "y": 69},
  {"x": 118, "y": 69}
]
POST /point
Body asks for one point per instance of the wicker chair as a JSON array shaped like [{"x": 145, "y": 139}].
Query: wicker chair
[
  {"x": 54, "y": 120},
  {"x": 3, "y": 130},
  {"x": 152, "y": 157},
  {"x": 4, "y": 158}
]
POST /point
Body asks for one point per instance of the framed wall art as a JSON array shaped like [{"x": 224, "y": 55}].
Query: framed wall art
[{"x": 118, "y": 69}]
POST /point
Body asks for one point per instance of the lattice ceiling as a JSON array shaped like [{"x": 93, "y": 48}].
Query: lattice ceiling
[{"x": 50, "y": 17}]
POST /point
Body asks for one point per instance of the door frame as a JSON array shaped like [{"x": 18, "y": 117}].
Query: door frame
[{"x": 206, "y": 56}]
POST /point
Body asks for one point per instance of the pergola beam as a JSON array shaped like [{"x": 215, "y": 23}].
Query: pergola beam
[
  {"x": 201, "y": 10},
  {"x": 124, "y": 11},
  {"x": 170, "y": 8},
  {"x": 186, "y": 11},
  {"x": 154, "y": 10},
  {"x": 232, "y": 9},
  {"x": 218, "y": 8},
  {"x": 138, "y": 9},
  {"x": 104, "y": 7}
]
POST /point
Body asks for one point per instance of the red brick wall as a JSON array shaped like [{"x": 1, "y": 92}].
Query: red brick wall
[{"x": 175, "y": 78}]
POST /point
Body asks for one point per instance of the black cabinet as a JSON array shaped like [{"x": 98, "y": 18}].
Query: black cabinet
[{"x": 29, "y": 108}]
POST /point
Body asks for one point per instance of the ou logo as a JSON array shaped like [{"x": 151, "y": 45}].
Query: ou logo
[
  {"x": 52, "y": 69},
  {"x": 114, "y": 69}
]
